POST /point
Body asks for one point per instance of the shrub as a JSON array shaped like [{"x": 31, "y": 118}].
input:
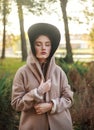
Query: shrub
[
  {"x": 63, "y": 64},
  {"x": 81, "y": 67},
  {"x": 8, "y": 117},
  {"x": 81, "y": 78},
  {"x": 83, "y": 109}
]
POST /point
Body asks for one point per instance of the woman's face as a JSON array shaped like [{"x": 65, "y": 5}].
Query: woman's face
[{"x": 42, "y": 48}]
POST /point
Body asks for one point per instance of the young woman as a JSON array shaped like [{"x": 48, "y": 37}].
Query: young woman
[{"x": 40, "y": 88}]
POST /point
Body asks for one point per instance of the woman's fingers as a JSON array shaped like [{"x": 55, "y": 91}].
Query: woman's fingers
[{"x": 43, "y": 108}]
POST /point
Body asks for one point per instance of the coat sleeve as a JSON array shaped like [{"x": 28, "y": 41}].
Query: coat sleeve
[
  {"x": 22, "y": 100},
  {"x": 65, "y": 100}
]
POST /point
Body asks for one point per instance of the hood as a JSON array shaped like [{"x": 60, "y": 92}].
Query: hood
[
  {"x": 44, "y": 29},
  {"x": 35, "y": 67}
]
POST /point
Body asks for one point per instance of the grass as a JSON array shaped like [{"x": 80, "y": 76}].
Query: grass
[{"x": 10, "y": 65}]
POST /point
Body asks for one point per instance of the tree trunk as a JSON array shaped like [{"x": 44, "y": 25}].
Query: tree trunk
[
  {"x": 69, "y": 55},
  {"x": 23, "y": 39},
  {"x": 4, "y": 30}
]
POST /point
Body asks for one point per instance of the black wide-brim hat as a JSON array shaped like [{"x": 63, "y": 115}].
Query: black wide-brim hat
[{"x": 44, "y": 29}]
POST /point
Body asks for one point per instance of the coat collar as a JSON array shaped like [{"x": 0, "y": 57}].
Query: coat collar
[{"x": 35, "y": 67}]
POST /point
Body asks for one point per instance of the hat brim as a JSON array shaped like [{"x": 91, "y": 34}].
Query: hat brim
[{"x": 45, "y": 29}]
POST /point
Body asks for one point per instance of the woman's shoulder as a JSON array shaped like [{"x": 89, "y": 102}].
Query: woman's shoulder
[{"x": 58, "y": 68}]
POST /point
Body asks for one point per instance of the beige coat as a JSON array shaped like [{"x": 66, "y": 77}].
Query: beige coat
[{"x": 26, "y": 80}]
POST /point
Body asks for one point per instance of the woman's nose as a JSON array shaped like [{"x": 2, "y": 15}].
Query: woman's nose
[{"x": 43, "y": 46}]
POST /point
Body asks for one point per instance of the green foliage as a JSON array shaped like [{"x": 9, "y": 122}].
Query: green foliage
[
  {"x": 63, "y": 64},
  {"x": 92, "y": 37},
  {"x": 2, "y": 84},
  {"x": 82, "y": 111},
  {"x": 92, "y": 34},
  {"x": 9, "y": 119},
  {"x": 77, "y": 127},
  {"x": 5, "y": 4},
  {"x": 10, "y": 65},
  {"x": 81, "y": 67}
]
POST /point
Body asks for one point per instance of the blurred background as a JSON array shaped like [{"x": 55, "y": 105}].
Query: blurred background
[{"x": 75, "y": 54}]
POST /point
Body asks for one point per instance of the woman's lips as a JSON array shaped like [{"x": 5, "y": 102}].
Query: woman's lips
[{"x": 43, "y": 53}]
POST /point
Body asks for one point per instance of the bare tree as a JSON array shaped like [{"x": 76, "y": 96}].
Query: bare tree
[
  {"x": 69, "y": 55},
  {"x": 21, "y": 22},
  {"x": 5, "y": 11},
  {"x": 63, "y": 4},
  {"x": 33, "y": 6}
]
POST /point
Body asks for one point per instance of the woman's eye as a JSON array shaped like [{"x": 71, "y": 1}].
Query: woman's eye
[
  {"x": 38, "y": 44},
  {"x": 48, "y": 44}
]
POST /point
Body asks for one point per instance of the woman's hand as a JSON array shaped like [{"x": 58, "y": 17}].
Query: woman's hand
[
  {"x": 42, "y": 108},
  {"x": 44, "y": 87}
]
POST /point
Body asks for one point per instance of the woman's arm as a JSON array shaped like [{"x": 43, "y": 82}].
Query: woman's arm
[
  {"x": 22, "y": 100},
  {"x": 65, "y": 101}
]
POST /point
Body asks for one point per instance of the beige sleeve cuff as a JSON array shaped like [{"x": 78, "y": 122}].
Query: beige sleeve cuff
[
  {"x": 37, "y": 95},
  {"x": 54, "y": 106}
]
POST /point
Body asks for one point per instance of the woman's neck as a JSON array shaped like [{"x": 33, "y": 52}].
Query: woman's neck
[{"x": 42, "y": 61}]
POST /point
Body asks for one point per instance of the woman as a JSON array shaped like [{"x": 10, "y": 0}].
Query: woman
[{"x": 40, "y": 88}]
